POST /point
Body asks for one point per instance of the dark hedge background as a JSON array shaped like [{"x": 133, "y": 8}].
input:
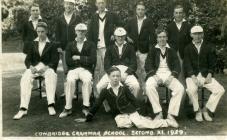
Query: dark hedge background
[{"x": 208, "y": 13}]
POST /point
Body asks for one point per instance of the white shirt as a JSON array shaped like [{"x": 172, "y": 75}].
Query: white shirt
[
  {"x": 157, "y": 46},
  {"x": 34, "y": 22},
  {"x": 101, "y": 42},
  {"x": 198, "y": 46},
  {"x": 80, "y": 45},
  {"x": 104, "y": 10},
  {"x": 68, "y": 17},
  {"x": 140, "y": 23},
  {"x": 41, "y": 45},
  {"x": 179, "y": 24},
  {"x": 120, "y": 47},
  {"x": 115, "y": 89},
  {"x": 163, "y": 68}
]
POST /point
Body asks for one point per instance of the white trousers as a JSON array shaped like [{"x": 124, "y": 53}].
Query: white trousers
[
  {"x": 78, "y": 74},
  {"x": 216, "y": 89},
  {"x": 26, "y": 85},
  {"x": 127, "y": 121},
  {"x": 177, "y": 93},
  {"x": 140, "y": 69},
  {"x": 130, "y": 81}
]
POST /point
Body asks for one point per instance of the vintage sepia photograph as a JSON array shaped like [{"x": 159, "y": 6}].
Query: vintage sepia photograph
[{"x": 83, "y": 69}]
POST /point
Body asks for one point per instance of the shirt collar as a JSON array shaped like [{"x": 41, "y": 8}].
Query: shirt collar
[
  {"x": 68, "y": 15},
  {"x": 104, "y": 10},
  {"x": 47, "y": 39},
  {"x": 199, "y": 44},
  {"x": 157, "y": 46},
  {"x": 184, "y": 20},
  {"x": 109, "y": 85},
  {"x": 121, "y": 45},
  {"x": 30, "y": 18},
  {"x": 85, "y": 39},
  {"x": 142, "y": 19}
]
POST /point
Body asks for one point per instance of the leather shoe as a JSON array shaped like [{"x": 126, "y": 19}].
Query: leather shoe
[
  {"x": 20, "y": 114},
  {"x": 65, "y": 113}
]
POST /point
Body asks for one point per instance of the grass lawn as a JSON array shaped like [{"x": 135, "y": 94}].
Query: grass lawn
[{"x": 37, "y": 122}]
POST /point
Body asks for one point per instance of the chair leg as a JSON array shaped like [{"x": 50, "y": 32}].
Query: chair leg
[
  {"x": 55, "y": 97},
  {"x": 203, "y": 98},
  {"x": 203, "y": 101},
  {"x": 77, "y": 90},
  {"x": 40, "y": 88},
  {"x": 213, "y": 115},
  {"x": 92, "y": 98},
  {"x": 167, "y": 95}
]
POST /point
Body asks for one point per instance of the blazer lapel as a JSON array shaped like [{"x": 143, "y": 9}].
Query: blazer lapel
[
  {"x": 116, "y": 50},
  {"x": 73, "y": 18},
  {"x": 36, "y": 46},
  {"x": 123, "y": 50},
  {"x": 157, "y": 59},
  {"x": 31, "y": 25},
  {"x": 75, "y": 49},
  {"x": 202, "y": 47},
  {"x": 142, "y": 26},
  {"x": 195, "y": 49},
  {"x": 175, "y": 27},
  {"x": 96, "y": 23},
  {"x": 136, "y": 26},
  {"x": 183, "y": 27},
  {"x": 63, "y": 19},
  {"x": 46, "y": 48},
  {"x": 107, "y": 19},
  {"x": 84, "y": 47}
]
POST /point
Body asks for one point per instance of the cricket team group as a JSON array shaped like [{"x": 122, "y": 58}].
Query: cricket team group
[{"x": 120, "y": 63}]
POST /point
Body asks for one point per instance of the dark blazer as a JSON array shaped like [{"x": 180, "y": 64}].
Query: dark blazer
[
  {"x": 179, "y": 38},
  {"x": 203, "y": 62},
  {"x": 28, "y": 31},
  {"x": 124, "y": 102},
  {"x": 112, "y": 21},
  {"x": 64, "y": 32},
  {"x": 28, "y": 34},
  {"x": 87, "y": 56},
  {"x": 49, "y": 57},
  {"x": 146, "y": 38},
  {"x": 153, "y": 60},
  {"x": 128, "y": 58}
]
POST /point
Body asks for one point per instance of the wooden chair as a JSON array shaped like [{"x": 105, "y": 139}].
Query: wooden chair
[{"x": 39, "y": 88}]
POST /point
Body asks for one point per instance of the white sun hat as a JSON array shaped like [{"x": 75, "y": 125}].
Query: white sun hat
[
  {"x": 120, "y": 31},
  {"x": 196, "y": 29}
]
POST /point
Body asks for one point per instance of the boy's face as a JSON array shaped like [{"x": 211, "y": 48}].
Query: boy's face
[
  {"x": 162, "y": 39},
  {"x": 35, "y": 12},
  {"x": 140, "y": 10},
  {"x": 178, "y": 14},
  {"x": 197, "y": 37},
  {"x": 120, "y": 39},
  {"x": 115, "y": 77},
  {"x": 41, "y": 31},
  {"x": 69, "y": 6},
  {"x": 101, "y": 5},
  {"x": 81, "y": 33}
]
